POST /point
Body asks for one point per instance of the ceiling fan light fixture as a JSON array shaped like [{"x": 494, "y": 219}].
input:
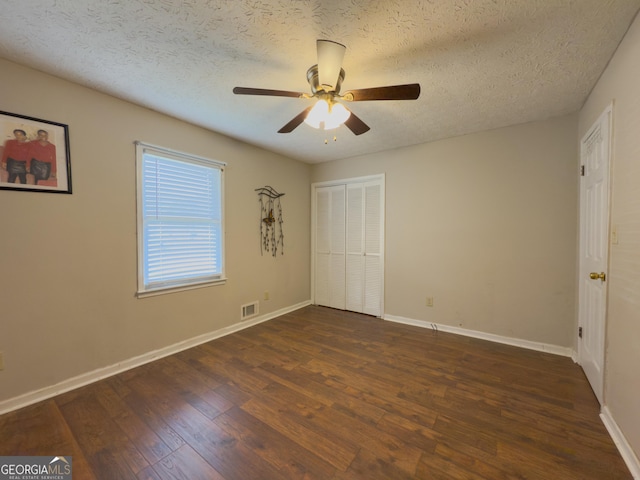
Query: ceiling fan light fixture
[
  {"x": 327, "y": 115},
  {"x": 317, "y": 114},
  {"x": 338, "y": 114}
]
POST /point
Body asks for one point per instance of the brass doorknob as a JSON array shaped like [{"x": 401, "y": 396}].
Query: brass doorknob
[{"x": 596, "y": 276}]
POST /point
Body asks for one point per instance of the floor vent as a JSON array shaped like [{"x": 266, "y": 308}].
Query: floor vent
[{"x": 249, "y": 310}]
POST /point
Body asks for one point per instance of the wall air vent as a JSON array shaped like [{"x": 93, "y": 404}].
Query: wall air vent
[{"x": 249, "y": 310}]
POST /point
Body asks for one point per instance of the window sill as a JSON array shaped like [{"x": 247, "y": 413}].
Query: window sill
[{"x": 167, "y": 290}]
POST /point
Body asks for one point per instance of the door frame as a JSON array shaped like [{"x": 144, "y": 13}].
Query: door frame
[
  {"x": 346, "y": 181},
  {"x": 605, "y": 118}
]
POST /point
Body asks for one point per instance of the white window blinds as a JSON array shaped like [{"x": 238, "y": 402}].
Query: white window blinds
[{"x": 180, "y": 218}]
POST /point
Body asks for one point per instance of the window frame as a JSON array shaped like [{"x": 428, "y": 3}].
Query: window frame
[{"x": 145, "y": 290}]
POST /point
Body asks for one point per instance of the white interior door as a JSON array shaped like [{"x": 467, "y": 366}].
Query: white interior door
[{"x": 594, "y": 250}]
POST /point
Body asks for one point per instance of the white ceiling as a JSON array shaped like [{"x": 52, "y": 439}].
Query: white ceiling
[{"x": 481, "y": 64}]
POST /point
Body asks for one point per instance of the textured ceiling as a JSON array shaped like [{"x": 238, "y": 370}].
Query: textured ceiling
[{"x": 482, "y": 64}]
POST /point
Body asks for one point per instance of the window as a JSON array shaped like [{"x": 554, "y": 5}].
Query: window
[{"x": 180, "y": 220}]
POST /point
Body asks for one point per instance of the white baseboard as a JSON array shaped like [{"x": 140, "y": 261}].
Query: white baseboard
[
  {"x": 95, "y": 375},
  {"x": 517, "y": 342},
  {"x": 574, "y": 356},
  {"x": 619, "y": 439}
]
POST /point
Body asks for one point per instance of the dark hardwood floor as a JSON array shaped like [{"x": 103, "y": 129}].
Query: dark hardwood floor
[{"x": 323, "y": 394}]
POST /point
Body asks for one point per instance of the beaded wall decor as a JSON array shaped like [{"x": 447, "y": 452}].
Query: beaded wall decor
[{"x": 271, "y": 234}]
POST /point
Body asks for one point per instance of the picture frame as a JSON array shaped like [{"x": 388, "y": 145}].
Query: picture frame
[{"x": 34, "y": 154}]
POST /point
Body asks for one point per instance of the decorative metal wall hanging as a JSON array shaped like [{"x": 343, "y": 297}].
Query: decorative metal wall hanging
[{"x": 271, "y": 235}]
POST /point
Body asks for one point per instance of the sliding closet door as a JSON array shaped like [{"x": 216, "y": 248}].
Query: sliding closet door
[{"x": 330, "y": 247}]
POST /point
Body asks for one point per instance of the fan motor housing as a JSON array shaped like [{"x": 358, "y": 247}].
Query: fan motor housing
[{"x": 314, "y": 81}]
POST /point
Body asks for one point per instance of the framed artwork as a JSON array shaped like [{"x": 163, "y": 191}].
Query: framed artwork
[{"x": 35, "y": 154}]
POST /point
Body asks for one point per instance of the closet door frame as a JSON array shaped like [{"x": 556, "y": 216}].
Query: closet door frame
[{"x": 380, "y": 179}]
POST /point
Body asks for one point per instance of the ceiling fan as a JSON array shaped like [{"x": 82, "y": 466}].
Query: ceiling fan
[{"x": 325, "y": 79}]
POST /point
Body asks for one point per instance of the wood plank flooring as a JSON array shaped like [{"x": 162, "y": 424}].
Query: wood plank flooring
[{"x": 329, "y": 395}]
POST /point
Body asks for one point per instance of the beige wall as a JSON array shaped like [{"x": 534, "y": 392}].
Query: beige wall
[
  {"x": 68, "y": 262},
  {"x": 620, "y": 83},
  {"x": 484, "y": 223}
]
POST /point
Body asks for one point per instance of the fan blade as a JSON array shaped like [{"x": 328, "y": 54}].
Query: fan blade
[
  {"x": 357, "y": 126},
  {"x": 393, "y": 92},
  {"x": 297, "y": 120},
  {"x": 264, "y": 91},
  {"x": 330, "y": 56}
]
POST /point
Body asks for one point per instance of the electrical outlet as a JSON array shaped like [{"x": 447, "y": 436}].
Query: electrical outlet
[
  {"x": 429, "y": 302},
  {"x": 266, "y": 294}
]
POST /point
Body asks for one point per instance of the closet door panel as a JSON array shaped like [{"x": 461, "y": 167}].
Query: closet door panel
[
  {"x": 337, "y": 226},
  {"x": 337, "y": 282},
  {"x": 322, "y": 257},
  {"x": 323, "y": 217},
  {"x": 329, "y": 252},
  {"x": 355, "y": 248},
  {"x": 373, "y": 219},
  {"x": 373, "y": 285},
  {"x": 338, "y": 243},
  {"x": 322, "y": 294},
  {"x": 355, "y": 283},
  {"x": 373, "y": 240}
]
